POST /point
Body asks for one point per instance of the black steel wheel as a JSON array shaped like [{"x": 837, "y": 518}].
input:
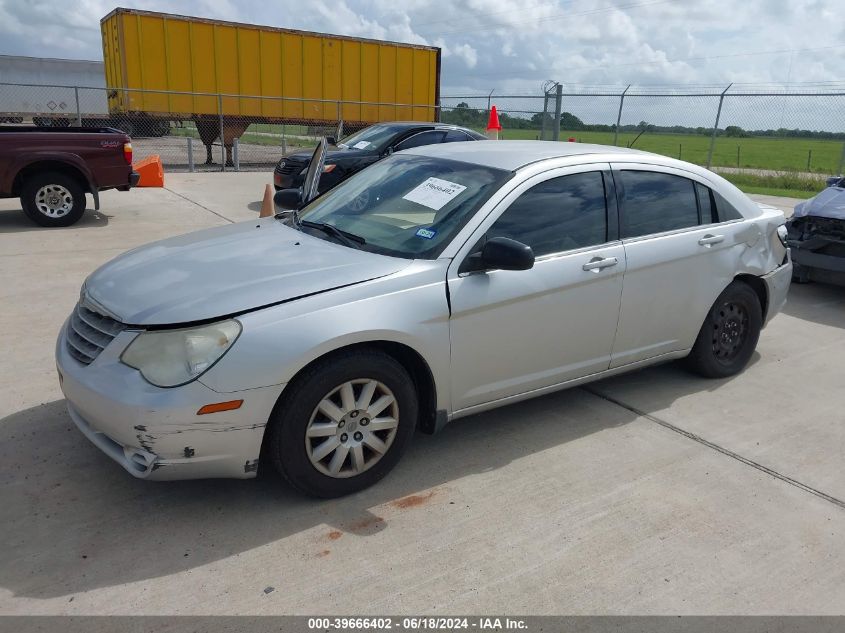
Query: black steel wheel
[{"x": 729, "y": 334}]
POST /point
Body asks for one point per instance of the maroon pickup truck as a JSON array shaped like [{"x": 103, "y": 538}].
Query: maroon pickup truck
[{"x": 51, "y": 169}]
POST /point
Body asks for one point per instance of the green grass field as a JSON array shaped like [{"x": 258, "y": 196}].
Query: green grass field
[{"x": 775, "y": 154}]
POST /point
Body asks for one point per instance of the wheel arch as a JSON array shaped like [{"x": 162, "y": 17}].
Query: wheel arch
[
  {"x": 759, "y": 288},
  {"x": 40, "y": 166},
  {"x": 428, "y": 418}
]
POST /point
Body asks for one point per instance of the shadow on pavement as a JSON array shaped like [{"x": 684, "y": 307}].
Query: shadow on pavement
[{"x": 15, "y": 221}]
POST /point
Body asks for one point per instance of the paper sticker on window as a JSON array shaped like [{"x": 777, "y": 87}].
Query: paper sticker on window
[
  {"x": 426, "y": 233},
  {"x": 361, "y": 145},
  {"x": 434, "y": 193}
]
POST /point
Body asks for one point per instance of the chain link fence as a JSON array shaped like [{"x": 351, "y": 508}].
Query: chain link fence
[
  {"x": 731, "y": 129},
  {"x": 198, "y": 131},
  {"x": 798, "y": 133}
]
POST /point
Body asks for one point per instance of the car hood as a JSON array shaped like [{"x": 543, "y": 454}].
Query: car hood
[
  {"x": 225, "y": 271},
  {"x": 830, "y": 203}
]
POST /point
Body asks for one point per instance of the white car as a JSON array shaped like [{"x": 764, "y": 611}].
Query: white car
[{"x": 439, "y": 282}]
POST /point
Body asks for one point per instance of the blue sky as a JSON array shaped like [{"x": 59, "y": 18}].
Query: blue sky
[{"x": 513, "y": 47}]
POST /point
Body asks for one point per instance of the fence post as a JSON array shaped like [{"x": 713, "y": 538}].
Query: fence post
[
  {"x": 716, "y": 126},
  {"x": 489, "y": 99},
  {"x": 841, "y": 161},
  {"x": 809, "y": 158},
  {"x": 222, "y": 143},
  {"x": 284, "y": 140},
  {"x": 558, "y": 105},
  {"x": 619, "y": 116},
  {"x": 338, "y": 130},
  {"x": 235, "y": 157},
  {"x": 190, "y": 154},
  {"x": 545, "y": 115},
  {"x": 78, "y": 111}
]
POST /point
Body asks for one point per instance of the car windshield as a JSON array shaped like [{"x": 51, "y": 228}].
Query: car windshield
[
  {"x": 406, "y": 206},
  {"x": 375, "y": 137}
]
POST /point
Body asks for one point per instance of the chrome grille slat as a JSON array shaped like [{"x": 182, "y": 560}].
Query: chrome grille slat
[
  {"x": 89, "y": 333},
  {"x": 95, "y": 337},
  {"x": 103, "y": 324}
]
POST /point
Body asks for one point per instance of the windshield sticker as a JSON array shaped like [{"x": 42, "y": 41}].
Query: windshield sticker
[
  {"x": 426, "y": 233},
  {"x": 362, "y": 145},
  {"x": 434, "y": 193}
]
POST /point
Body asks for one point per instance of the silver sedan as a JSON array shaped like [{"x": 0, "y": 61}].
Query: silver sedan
[{"x": 440, "y": 282}]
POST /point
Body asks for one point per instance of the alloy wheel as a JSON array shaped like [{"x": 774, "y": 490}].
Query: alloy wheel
[
  {"x": 54, "y": 201},
  {"x": 352, "y": 428}
]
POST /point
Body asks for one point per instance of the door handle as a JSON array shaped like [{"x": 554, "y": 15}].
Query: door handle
[
  {"x": 709, "y": 240},
  {"x": 597, "y": 263}
]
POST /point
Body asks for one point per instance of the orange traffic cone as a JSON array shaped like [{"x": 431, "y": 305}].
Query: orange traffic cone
[
  {"x": 267, "y": 208},
  {"x": 493, "y": 125}
]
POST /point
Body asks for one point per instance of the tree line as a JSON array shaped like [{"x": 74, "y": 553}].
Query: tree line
[{"x": 465, "y": 116}]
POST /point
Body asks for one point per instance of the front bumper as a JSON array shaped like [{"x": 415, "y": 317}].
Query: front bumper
[
  {"x": 777, "y": 286},
  {"x": 155, "y": 433},
  {"x": 286, "y": 181},
  {"x": 811, "y": 264}
]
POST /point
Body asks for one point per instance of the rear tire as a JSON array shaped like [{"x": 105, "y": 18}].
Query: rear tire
[
  {"x": 52, "y": 199},
  {"x": 729, "y": 334},
  {"x": 332, "y": 433}
]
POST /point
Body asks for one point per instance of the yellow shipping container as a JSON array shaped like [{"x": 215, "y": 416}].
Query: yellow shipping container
[{"x": 278, "y": 74}]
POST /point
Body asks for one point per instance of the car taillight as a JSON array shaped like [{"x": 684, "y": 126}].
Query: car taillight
[{"x": 127, "y": 153}]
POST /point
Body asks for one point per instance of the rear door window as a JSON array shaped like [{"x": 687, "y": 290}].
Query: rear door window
[
  {"x": 656, "y": 202},
  {"x": 423, "y": 138},
  {"x": 456, "y": 136}
]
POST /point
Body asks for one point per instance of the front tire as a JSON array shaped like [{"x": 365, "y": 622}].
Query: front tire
[
  {"x": 52, "y": 199},
  {"x": 729, "y": 335},
  {"x": 343, "y": 424}
]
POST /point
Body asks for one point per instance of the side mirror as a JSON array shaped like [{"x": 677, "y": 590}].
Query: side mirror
[
  {"x": 288, "y": 199},
  {"x": 501, "y": 253},
  {"x": 331, "y": 140}
]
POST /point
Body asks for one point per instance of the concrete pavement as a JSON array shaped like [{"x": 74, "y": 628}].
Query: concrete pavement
[{"x": 651, "y": 493}]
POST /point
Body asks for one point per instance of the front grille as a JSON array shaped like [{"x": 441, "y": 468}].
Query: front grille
[
  {"x": 89, "y": 333},
  {"x": 289, "y": 168},
  {"x": 828, "y": 226}
]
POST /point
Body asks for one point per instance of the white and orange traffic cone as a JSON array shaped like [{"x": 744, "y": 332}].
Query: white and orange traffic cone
[{"x": 493, "y": 125}]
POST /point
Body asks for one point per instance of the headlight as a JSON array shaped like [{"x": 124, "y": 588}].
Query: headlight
[{"x": 169, "y": 358}]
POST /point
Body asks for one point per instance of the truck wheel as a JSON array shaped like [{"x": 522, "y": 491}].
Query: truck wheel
[
  {"x": 344, "y": 424},
  {"x": 729, "y": 334},
  {"x": 52, "y": 199}
]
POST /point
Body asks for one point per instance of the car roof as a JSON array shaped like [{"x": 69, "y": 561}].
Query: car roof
[{"x": 511, "y": 155}]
